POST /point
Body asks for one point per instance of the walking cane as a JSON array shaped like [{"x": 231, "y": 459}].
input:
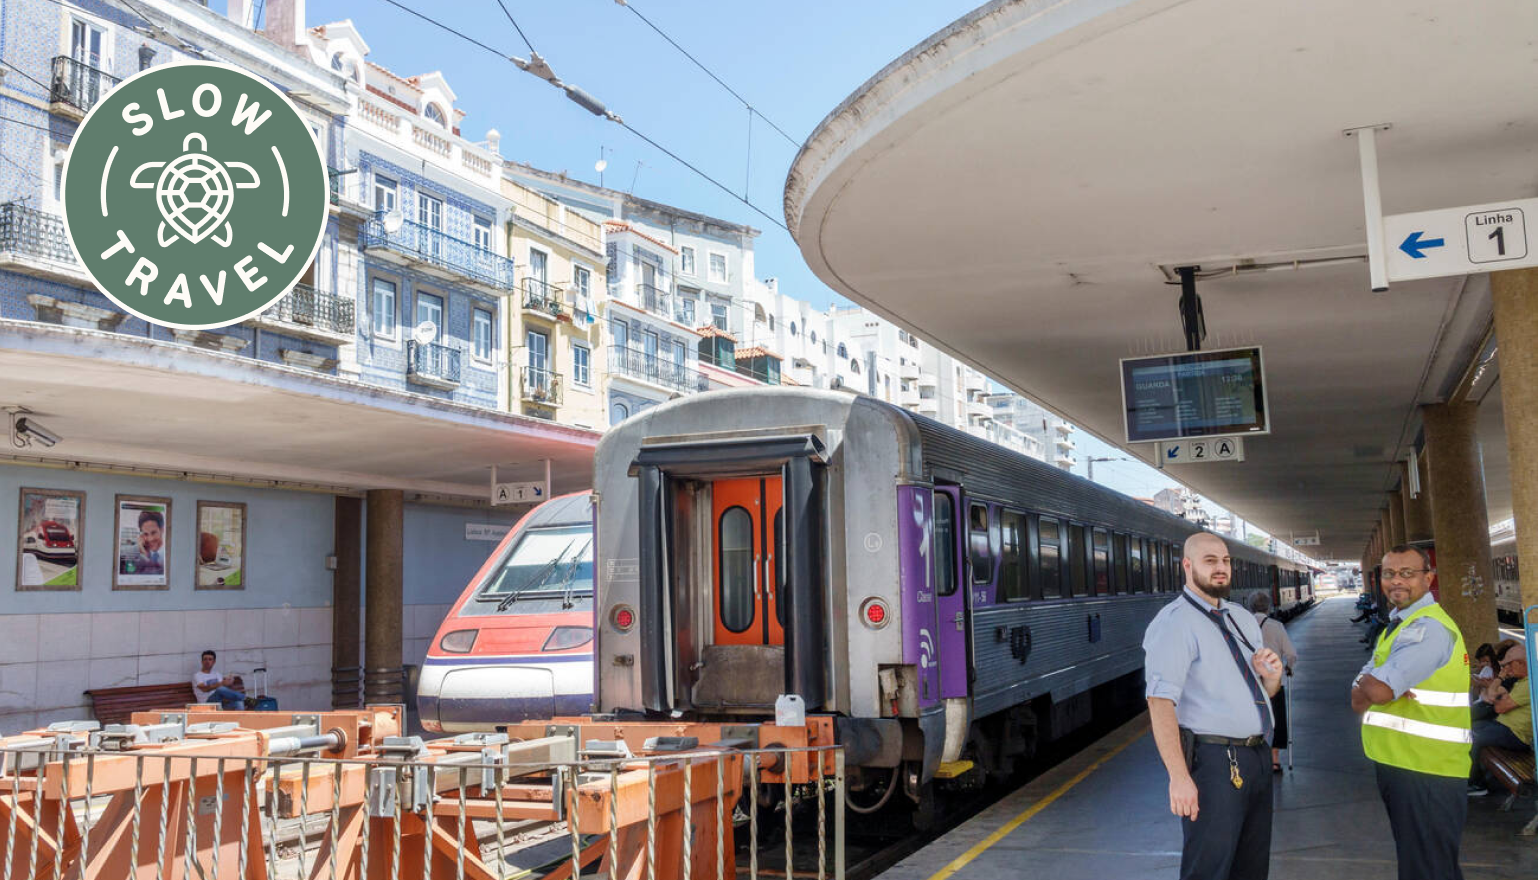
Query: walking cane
[{"x": 1288, "y": 700}]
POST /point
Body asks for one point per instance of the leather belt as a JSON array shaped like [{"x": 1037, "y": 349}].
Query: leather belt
[{"x": 1245, "y": 742}]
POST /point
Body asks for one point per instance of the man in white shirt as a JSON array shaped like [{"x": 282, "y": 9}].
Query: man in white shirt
[{"x": 209, "y": 686}]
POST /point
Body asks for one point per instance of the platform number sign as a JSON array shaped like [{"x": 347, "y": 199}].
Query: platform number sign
[
  {"x": 1201, "y": 451},
  {"x": 1493, "y": 236},
  {"x": 1460, "y": 241}
]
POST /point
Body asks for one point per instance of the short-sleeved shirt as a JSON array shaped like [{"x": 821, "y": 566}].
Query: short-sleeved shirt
[
  {"x": 1420, "y": 649},
  {"x": 1517, "y": 719},
  {"x": 1187, "y": 661},
  {"x": 201, "y": 677}
]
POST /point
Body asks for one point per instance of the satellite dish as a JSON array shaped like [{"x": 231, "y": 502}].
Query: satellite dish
[
  {"x": 393, "y": 221},
  {"x": 425, "y": 333},
  {"x": 600, "y": 165}
]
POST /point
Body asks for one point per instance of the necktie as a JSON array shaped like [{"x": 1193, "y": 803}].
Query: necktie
[{"x": 1260, "y": 699}]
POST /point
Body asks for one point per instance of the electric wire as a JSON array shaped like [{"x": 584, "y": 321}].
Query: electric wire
[
  {"x": 29, "y": 76},
  {"x": 516, "y": 27},
  {"x": 613, "y": 118},
  {"x": 696, "y": 61}
]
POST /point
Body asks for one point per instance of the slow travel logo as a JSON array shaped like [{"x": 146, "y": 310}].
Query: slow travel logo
[{"x": 195, "y": 195}]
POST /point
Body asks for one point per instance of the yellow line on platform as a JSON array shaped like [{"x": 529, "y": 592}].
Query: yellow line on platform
[{"x": 978, "y": 849}]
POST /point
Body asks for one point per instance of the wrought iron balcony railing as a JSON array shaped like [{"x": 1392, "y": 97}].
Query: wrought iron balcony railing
[
  {"x": 35, "y": 233},
  {"x": 655, "y": 300},
  {"x": 439, "y": 364},
  {"x": 540, "y": 386},
  {"x": 436, "y": 248},
  {"x": 77, "y": 84},
  {"x": 314, "y": 308},
  {"x": 542, "y": 297},
  {"x": 650, "y": 368}
]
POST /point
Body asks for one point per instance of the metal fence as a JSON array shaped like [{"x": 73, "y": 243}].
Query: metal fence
[
  {"x": 314, "y": 308},
  {"x": 640, "y": 365},
  {"x": 429, "y": 360},
  {"x": 540, "y": 386},
  {"x": 428, "y": 245},
  {"x": 36, "y": 233},
  {"x": 78, "y": 84},
  {"x": 213, "y": 801}
]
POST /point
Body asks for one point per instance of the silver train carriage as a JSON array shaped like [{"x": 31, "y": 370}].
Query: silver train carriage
[
  {"x": 942, "y": 596},
  {"x": 1505, "y": 573}
]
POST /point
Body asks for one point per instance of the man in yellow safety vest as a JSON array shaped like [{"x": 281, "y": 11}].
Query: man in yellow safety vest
[{"x": 1414, "y": 699}]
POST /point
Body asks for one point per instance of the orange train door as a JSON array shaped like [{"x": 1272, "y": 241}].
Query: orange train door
[{"x": 746, "y": 543}]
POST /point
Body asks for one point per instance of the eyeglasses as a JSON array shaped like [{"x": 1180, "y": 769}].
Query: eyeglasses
[{"x": 1404, "y": 574}]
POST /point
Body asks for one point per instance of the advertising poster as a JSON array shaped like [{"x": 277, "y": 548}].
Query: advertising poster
[
  {"x": 48, "y": 556},
  {"x": 143, "y": 543},
  {"x": 221, "y": 546}
]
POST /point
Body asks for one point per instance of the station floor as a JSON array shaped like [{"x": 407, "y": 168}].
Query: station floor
[{"x": 1104, "y": 814}]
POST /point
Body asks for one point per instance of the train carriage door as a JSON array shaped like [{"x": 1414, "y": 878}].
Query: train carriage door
[
  {"x": 947, "y": 555},
  {"x": 748, "y": 562}
]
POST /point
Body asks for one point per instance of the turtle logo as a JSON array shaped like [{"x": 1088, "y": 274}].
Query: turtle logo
[{"x": 195, "y": 195}]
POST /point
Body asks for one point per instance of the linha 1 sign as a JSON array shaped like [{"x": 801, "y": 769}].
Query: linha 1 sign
[{"x": 1194, "y": 394}]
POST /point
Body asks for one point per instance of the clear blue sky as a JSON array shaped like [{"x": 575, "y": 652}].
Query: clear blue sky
[{"x": 794, "y": 61}]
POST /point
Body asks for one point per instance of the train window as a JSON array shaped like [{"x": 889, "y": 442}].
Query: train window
[
  {"x": 1178, "y": 575},
  {"x": 944, "y": 545},
  {"x": 979, "y": 550},
  {"x": 1049, "y": 571},
  {"x": 1136, "y": 566},
  {"x": 1120, "y": 562},
  {"x": 1013, "y": 557},
  {"x": 548, "y": 570},
  {"x": 1078, "y": 579},
  {"x": 1099, "y": 562},
  {"x": 780, "y": 566},
  {"x": 735, "y": 561}
]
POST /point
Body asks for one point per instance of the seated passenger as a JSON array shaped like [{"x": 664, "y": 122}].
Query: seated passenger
[
  {"x": 1512, "y": 728},
  {"x": 210, "y": 686}
]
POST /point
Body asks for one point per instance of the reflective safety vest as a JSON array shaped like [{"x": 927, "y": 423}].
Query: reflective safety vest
[{"x": 1428, "y": 729}]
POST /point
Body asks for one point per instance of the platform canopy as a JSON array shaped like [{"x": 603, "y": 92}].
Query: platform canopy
[
  {"x": 1018, "y": 189},
  {"x": 169, "y": 408}
]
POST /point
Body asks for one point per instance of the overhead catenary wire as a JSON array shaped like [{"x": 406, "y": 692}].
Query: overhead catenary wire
[
  {"x": 527, "y": 43},
  {"x": 537, "y": 67},
  {"x": 753, "y": 111}
]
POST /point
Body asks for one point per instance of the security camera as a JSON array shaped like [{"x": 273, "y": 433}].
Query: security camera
[{"x": 28, "y": 430}]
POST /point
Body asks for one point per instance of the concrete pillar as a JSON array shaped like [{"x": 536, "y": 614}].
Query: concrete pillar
[
  {"x": 1514, "y": 316},
  {"x": 347, "y": 674},
  {"x": 1385, "y": 534},
  {"x": 1397, "y": 517},
  {"x": 382, "y": 608},
  {"x": 1460, "y": 535},
  {"x": 1417, "y": 513}
]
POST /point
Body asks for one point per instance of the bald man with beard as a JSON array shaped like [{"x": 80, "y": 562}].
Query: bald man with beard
[{"x": 1208, "y": 679}]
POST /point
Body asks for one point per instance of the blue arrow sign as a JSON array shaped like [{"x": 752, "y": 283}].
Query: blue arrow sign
[
  {"x": 1172, "y": 451},
  {"x": 1415, "y": 244}
]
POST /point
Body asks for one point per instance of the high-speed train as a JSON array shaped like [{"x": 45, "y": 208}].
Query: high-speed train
[
  {"x": 945, "y": 599},
  {"x": 517, "y": 644}
]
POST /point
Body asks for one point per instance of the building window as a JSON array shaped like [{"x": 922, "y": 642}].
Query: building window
[
  {"x": 435, "y": 115},
  {"x": 687, "y": 261},
  {"x": 619, "y": 334},
  {"x": 580, "y": 364},
  {"x": 719, "y": 267},
  {"x": 481, "y": 233},
  {"x": 619, "y": 412},
  {"x": 840, "y": 350},
  {"x": 812, "y": 337},
  {"x": 581, "y": 278},
  {"x": 384, "y": 194},
  {"x": 538, "y": 345},
  {"x": 793, "y": 328},
  {"x": 719, "y": 316},
  {"x": 481, "y": 333},
  {"x": 772, "y": 323},
  {"x": 855, "y": 366},
  {"x": 430, "y": 310},
  {"x": 687, "y": 311},
  {"x": 384, "y": 308},
  {"x": 430, "y": 211}
]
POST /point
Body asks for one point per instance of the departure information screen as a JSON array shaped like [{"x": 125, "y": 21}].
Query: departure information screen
[{"x": 1194, "y": 394}]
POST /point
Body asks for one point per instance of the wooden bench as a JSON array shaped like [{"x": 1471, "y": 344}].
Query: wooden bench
[
  {"x": 1515, "y": 770},
  {"x": 115, "y": 705}
]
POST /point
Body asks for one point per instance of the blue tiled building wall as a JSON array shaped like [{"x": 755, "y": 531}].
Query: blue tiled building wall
[{"x": 32, "y": 33}]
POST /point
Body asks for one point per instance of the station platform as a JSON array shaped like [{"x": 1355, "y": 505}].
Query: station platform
[{"x": 1105, "y": 812}]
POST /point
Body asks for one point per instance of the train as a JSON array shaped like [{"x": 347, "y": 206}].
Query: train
[
  {"x": 952, "y": 604},
  {"x": 1505, "y": 573},
  {"x": 517, "y": 643}
]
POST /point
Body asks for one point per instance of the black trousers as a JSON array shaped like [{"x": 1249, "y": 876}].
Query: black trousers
[
  {"x": 1427, "y": 816},
  {"x": 1233, "y": 834}
]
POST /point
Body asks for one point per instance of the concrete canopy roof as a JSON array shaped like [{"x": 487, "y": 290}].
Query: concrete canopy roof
[
  {"x": 123, "y": 401},
  {"x": 1010, "y": 189}
]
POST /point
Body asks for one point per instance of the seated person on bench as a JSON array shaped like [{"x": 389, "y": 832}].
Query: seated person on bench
[
  {"x": 209, "y": 686},
  {"x": 1511, "y": 729}
]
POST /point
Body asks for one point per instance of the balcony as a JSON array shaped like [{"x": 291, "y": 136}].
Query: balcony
[
  {"x": 909, "y": 370},
  {"x": 655, "y": 300},
  {"x": 543, "y": 299},
  {"x": 77, "y": 87},
  {"x": 928, "y": 379},
  {"x": 977, "y": 409},
  {"x": 1063, "y": 462},
  {"x": 540, "y": 386},
  {"x": 308, "y": 313},
  {"x": 344, "y": 184},
  {"x": 431, "y": 364},
  {"x": 1063, "y": 427},
  {"x": 1064, "y": 444},
  {"x": 438, "y": 253},
  {"x": 650, "y": 368},
  {"x": 34, "y": 242}
]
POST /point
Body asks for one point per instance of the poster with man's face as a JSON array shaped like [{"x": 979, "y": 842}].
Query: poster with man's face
[
  {"x": 49, "y": 544},
  {"x": 221, "y": 545},
  {"x": 143, "y": 547}
]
